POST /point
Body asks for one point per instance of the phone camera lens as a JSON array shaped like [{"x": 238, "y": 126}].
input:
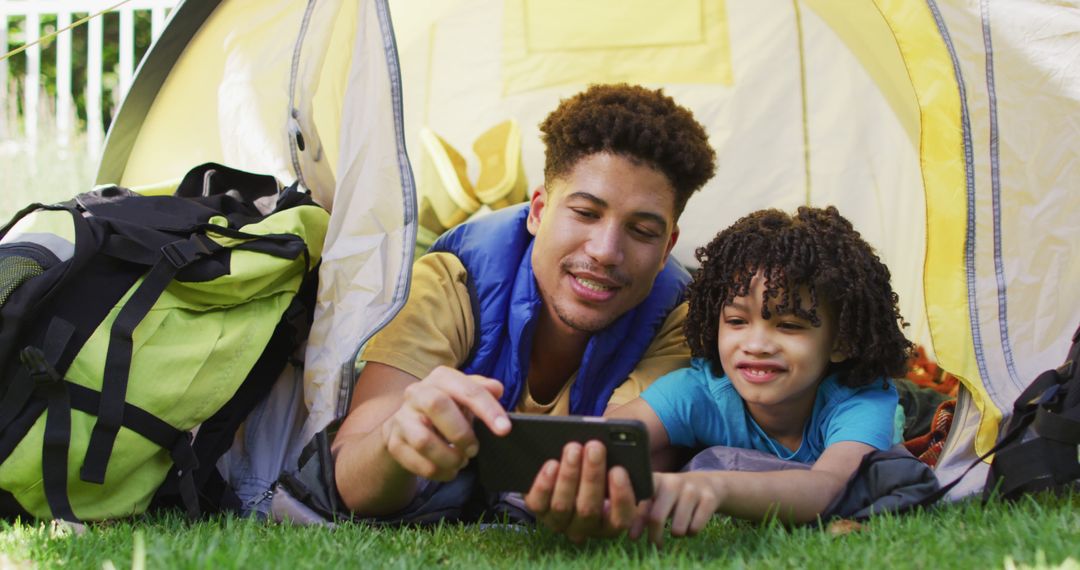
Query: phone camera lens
[{"x": 622, "y": 437}]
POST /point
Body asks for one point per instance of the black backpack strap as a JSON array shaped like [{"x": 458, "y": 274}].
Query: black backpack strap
[
  {"x": 175, "y": 256},
  {"x": 54, "y": 452},
  {"x": 1035, "y": 465},
  {"x": 22, "y": 387},
  {"x": 26, "y": 212},
  {"x": 1063, "y": 427},
  {"x": 178, "y": 442},
  {"x": 38, "y": 292},
  {"x": 286, "y": 246},
  {"x": 49, "y": 385}
]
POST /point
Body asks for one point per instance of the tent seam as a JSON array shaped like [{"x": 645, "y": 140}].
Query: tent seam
[
  {"x": 995, "y": 183},
  {"x": 969, "y": 245}
]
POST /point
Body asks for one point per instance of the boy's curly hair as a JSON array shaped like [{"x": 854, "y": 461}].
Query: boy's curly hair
[
  {"x": 817, "y": 249},
  {"x": 634, "y": 122}
]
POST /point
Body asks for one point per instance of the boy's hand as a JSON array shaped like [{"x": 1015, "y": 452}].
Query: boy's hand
[{"x": 688, "y": 499}]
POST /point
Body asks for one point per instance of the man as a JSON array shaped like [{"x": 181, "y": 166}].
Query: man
[{"x": 567, "y": 305}]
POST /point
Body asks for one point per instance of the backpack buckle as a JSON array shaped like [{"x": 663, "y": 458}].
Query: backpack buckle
[
  {"x": 182, "y": 253},
  {"x": 41, "y": 372}
]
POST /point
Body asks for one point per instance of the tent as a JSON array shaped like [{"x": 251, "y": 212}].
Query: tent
[
  {"x": 306, "y": 91},
  {"x": 945, "y": 130}
]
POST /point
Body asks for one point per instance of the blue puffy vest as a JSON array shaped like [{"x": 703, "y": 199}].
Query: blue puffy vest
[{"x": 496, "y": 251}]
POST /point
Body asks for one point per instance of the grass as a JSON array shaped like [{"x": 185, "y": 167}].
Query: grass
[{"x": 1036, "y": 532}]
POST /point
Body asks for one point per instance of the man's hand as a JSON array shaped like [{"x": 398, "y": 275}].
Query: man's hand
[
  {"x": 568, "y": 495},
  {"x": 688, "y": 499},
  {"x": 431, "y": 434}
]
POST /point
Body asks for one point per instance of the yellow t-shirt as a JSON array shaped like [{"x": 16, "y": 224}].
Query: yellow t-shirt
[{"x": 436, "y": 327}]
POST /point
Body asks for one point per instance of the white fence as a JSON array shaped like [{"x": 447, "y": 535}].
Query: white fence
[{"x": 36, "y": 107}]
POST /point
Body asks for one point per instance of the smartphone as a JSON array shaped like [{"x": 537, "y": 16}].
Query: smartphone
[{"x": 511, "y": 462}]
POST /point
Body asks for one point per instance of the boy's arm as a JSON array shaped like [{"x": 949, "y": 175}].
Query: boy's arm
[
  {"x": 794, "y": 496},
  {"x": 639, "y": 409}
]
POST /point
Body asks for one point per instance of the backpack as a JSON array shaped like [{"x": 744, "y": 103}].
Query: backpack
[
  {"x": 136, "y": 334},
  {"x": 1039, "y": 450}
]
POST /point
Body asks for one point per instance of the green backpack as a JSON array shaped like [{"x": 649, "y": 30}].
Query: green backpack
[{"x": 136, "y": 334}]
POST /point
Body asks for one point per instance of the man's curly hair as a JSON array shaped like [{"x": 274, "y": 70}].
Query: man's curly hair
[
  {"x": 821, "y": 253},
  {"x": 643, "y": 125}
]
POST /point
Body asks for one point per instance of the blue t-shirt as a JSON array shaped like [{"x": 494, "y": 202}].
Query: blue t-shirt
[{"x": 699, "y": 409}]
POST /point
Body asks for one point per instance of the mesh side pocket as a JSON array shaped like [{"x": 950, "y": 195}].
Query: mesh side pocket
[{"x": 17, "y": 266}]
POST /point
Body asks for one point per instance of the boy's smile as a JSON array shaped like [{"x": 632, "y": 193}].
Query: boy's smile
[
  {"x": 759, "y": 373},
  {"x": 775, "y": 364}
]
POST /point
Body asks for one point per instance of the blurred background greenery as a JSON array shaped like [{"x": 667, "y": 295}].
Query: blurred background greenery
[
  {"x": 50, "y": 169},
  {"x": 17, "y": 35}
]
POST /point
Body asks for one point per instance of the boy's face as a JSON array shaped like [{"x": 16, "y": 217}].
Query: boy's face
[
  {"x": 603, "y": 233},
  {"x": 775, "y": 364}
]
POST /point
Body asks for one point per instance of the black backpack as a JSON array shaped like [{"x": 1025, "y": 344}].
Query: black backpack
[
  {"x": 62, "y": 427},
  {"x": 1040, "y": 448}
]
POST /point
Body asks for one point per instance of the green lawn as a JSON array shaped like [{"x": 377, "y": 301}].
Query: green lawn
[{"x": 1042, "y": 532}]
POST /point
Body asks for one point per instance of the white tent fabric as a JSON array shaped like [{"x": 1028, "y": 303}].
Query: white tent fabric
[{"x": 944, "y": 129}]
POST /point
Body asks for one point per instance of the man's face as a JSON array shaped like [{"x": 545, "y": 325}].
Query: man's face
[{"x": 603, "y": 233}]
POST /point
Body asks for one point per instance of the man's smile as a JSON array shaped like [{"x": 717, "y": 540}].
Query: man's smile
[{"x": 590, "y": 284}]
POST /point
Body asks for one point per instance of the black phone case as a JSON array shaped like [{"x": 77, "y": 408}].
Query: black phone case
[{"x": 511, "y": 463}]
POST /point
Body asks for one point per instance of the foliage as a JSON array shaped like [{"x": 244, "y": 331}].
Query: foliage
[{"x": 79, "y": 49}]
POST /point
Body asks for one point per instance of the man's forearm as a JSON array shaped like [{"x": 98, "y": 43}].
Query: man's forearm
[{"x": 368, "y": 479}]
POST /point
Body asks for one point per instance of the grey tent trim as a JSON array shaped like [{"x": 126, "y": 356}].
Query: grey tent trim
[
  {"x": 294, "y": 113},
  {"x": 969, "y": 174},
  {"x": 408, "y": 188},
  {"x": 184, "y": 22},
  {"x": 995, "y": 183}
]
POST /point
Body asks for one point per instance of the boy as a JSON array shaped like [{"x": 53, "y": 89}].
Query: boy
[{"x": 794, "y": 330}]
